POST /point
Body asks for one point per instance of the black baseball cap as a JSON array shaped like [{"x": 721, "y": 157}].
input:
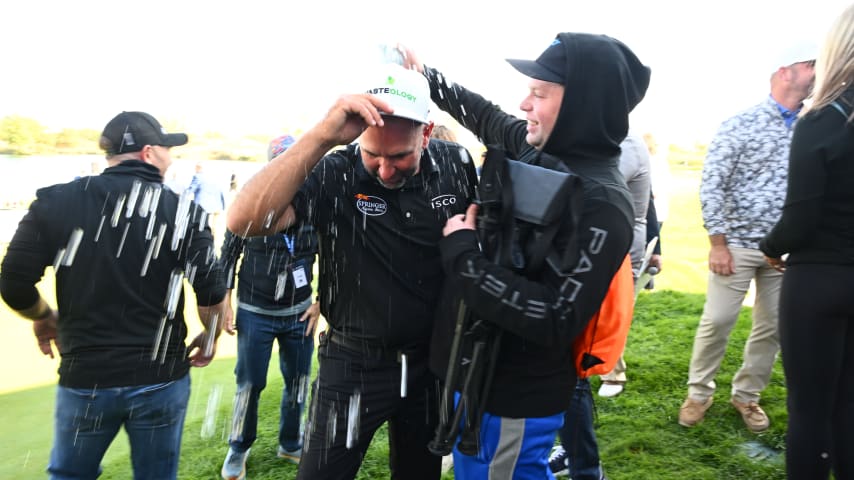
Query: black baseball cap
[
  {"x": 130, "y": 131},
  {"x": 548, "y": 67}
]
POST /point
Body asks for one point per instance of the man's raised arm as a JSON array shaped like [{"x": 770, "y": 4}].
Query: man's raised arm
[{"x": 263, "y": 205}]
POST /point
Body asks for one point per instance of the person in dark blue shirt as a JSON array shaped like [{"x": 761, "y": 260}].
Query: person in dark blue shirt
[{"x": 274, "y": 304}]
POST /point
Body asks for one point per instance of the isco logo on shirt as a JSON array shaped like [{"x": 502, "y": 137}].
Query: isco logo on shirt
[{"x": 446, "y": 200}]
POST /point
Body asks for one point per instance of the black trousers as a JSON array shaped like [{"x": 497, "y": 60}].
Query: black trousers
[
  {"x": 336, "y": 442},
  {"x": 817, "y": 342}
]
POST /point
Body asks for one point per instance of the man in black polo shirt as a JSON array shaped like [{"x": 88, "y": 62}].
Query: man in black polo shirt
[{"x": 379, "y": 207}]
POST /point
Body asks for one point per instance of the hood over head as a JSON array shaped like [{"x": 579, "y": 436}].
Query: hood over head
[{"x": 603, "y": 81}]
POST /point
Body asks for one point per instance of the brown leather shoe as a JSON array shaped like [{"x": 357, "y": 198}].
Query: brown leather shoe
[
  {"x": 753, "y": 415},
  {"x": 692, "y": 411}
]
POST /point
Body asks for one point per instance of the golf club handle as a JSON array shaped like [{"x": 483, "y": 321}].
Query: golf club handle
[
  {"x": 442, "y": 443},
  {"x": 446, "y": 432}
]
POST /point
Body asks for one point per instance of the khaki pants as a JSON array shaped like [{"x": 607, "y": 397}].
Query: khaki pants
[
  {"x": 617, "y": 374},
  {"x": 723, "y": 304}
]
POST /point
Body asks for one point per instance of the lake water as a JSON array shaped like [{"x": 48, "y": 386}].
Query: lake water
[{"x": 22, "y": 176}]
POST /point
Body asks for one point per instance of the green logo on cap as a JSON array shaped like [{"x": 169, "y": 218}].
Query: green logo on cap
[{"x": 392, "y": 91}]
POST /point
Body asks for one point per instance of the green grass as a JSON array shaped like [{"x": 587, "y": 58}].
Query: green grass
[
  {"x": 638, "y": 434},
  {"x": 637, "y": 431}
]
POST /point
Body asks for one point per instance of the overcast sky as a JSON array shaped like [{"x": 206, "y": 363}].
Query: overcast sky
[{"x": 258, "y": 66}]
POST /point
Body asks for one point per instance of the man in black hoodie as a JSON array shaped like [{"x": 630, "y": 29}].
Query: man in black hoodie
[{"x": 582, "y": 88}]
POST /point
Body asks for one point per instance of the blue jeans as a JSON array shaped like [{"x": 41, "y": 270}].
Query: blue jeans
[
  {"x": 87, "y": 420},
  {"x": 578, "y": 437},
  {"x": 255, "y": 335}
]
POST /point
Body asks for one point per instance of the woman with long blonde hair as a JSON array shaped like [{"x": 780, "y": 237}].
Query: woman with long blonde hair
[{"x": 816, "y": 230}]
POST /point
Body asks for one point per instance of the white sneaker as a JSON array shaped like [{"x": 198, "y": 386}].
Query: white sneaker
[
  {"x": 234, "y": 467},
  {"x": 610, "y": 389},
  {"x": 292, "y": 456},
  {"x": 447, "y": 463},
  {"x": 559, "y": 462}
]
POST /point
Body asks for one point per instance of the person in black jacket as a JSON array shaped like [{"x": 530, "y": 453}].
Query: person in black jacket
[
  {"x": 120, "y": 244},
  {"x": 274, "y": 304},
  {"x": 582, "y": 88},
  {"x": 816, "y": 230},
  {"x": 378, "y": 207}
]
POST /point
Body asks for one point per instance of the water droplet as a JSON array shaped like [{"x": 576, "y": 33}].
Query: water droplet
[
  {"x": 331, "y": 425},
  {"x": 134, "y": 195},
  {"x": 173, "y": 293},
  {"x": 353, "y": 417},
  {"x": 191, "y": 272},
  {"x": 165, "y": 347},
  {"x": 149, "y": 227},
  {"x": 238, "y": 416},
  {"x": 100, "y": 227},
  {"x": 148, "y": 255},
  {"x": 281, "y": 281},
  {"x": 303, "y": 388},
  {"x": 57, "y": 260},
  {"x": 145, "y": 203},
  {"x": 122, "y": 242},
  {"x": 403, "y": 375},
  {"x": 209, "y": 424},
  {"x": 161, "y": 232},
  {"x": 203, "y": 219},
  {"x": 155, "y": 199},
  {"x": 182, "y": 219},
  {"x": 70, "y": 250},
  {"x": 117, "y": 211},
  {"x": 210, "y": 338},
  {"x": 157, "y": 337}
]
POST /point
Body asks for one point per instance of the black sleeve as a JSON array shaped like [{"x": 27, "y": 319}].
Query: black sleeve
[
  {"x": 482, "y": 117},
  {"x": 652, "y": 229},
  {"x": 551, "y": 310},
  {"x": 23, "y": 266},
  {"x": 232, "y": 248},
  {"x": 805, "y": 190}
]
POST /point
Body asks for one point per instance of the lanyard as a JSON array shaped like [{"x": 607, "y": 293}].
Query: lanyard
[{"x": 289, "y": 242}]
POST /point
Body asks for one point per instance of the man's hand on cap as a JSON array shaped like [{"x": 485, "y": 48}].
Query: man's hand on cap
[{"x": 351, "y": 115}]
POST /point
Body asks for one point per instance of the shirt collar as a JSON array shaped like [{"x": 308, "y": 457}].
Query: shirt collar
[
  {"x": 789, "y": 116},
  {"x": 139, "y": 168}
]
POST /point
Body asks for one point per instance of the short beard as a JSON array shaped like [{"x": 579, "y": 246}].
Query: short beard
[
  {"x": 396, "y": 186},
  {"x": 406, "y": 176}
]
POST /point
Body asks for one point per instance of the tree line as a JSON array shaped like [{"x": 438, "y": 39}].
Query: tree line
[
  {"x": 21, "y": 135},
  {"x": 26, "y": 136}
]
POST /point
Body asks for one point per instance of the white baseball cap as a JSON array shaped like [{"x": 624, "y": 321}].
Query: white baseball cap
[
  {"x": 802, "y": 51},
  {"x": 405, "y": 90}
]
